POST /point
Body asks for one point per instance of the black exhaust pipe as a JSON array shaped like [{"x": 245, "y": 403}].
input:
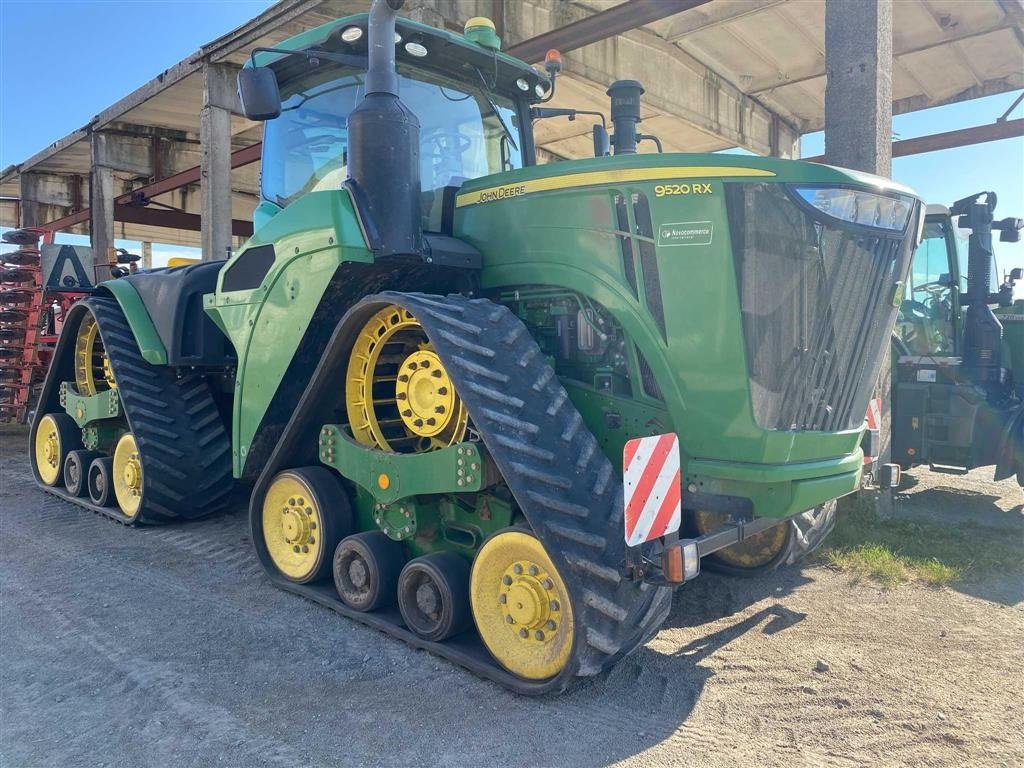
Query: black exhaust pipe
[
  {"x": 982, "y": 330},
  {"x": 384, "y": 145}
]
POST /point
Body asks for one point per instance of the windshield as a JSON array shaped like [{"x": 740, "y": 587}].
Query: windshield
[
  {"x": 925, "y": 321},
  {"x": 461, "y": 136}
]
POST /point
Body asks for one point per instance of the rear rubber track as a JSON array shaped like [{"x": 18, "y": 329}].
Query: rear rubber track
[
  {"x": 564, "y": 484},
  {"x": 185, "y": 450}
]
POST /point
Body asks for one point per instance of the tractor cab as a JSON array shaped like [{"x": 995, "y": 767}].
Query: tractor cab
[
  {"x": 957, "y": 346},
  {"x": 471, "y": 101}
]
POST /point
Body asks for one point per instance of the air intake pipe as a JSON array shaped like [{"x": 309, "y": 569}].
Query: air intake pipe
[
  {"x": 384, "y": 145},
  {"x": 625, "y": 96}
]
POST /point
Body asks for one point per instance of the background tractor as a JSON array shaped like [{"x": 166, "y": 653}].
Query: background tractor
[
  {"x": 482, "y": 389},
  {"x": 958, "y": 378}
]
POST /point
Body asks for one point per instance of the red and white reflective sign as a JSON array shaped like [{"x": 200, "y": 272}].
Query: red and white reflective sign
[
  {"x": 650, "y": 470},
  {"x": 874, "y": 415},
  {"x": 874, "y": 419}
]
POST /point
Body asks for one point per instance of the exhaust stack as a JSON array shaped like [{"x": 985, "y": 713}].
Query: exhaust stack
[{"x": 384, "y": 140}]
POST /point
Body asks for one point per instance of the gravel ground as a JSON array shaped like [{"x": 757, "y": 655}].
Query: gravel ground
[{"x": 167, "y": 647}]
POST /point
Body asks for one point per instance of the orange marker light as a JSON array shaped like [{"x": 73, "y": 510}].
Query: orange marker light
[
  {"x": 553, "y": 61},
  {"x": 383, "y": 481}
]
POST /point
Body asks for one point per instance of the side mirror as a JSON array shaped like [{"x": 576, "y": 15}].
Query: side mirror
[
  {"x": 1009, "y": 230},
  {"x": 258, "y": 92},
  {"x": 602, "y": 143},
  {"x": 1016, "y": 274}
]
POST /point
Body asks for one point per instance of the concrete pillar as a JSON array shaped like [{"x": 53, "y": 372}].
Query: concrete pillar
[
  {"x": 30, "y": 214},
  {"x": 858, "y": 89},
  {"x": 220, "y": 99},
  {"x": 101, "y": 196},
  {"x": 858, "y": 128},
  {"x": 147, "y": 255}
]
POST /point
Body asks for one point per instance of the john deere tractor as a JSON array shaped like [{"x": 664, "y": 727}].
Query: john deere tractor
[
  {"x": 958, "y": 348},
  {"x": 493, "y": 408}
]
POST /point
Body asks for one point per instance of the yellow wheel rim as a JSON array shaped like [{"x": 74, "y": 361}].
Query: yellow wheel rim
[
  {"x": 521, "y": 606},
  {"x": 292, "y": 526},
  {"x": 48, "y": 450},
  {"x": 128, "y": 475},
  {"x": 760, "y": 549},
  {"x": 398, "y": 395},
  {"x": 92, "y": 366}
]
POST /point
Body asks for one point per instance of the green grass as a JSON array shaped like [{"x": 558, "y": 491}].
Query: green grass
[{"x": 896, "y": 550}]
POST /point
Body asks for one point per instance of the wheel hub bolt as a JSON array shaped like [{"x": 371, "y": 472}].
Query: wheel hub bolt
[{"x": 524, "y": 633}]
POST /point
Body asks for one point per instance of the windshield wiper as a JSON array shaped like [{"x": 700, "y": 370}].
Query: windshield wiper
[{"x": 494, "y": 109}]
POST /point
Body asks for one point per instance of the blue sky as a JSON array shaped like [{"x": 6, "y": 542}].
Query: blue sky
[{"x": 56, "y": 73}]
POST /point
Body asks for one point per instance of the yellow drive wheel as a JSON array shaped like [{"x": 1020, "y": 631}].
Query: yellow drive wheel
[
  {"x": 521, "y": 606},
  {"x": 56, "y": 436},
  {"x": 127, "y": 472},
  {"x": 92, "y": 365},
  {"x": 305, "y": 514},
  {"x": 398, "y": 395},
  {"x": 758, "y": 551}
]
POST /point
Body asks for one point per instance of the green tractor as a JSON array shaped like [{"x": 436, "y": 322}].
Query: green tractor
[
  {"x": 958, "y": 365},
  {"x": 479, "y": 388}
]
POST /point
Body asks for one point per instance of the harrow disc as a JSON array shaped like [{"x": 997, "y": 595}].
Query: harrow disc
[
  {"x": 15, "y": 296},
  {"x": 12, "y": 334},
  {"x": 9, "y": 316},
  {"x": 17, "y": 275},
  {"x": 21, "y": 237},
  {"x": 22, "y": 258}
]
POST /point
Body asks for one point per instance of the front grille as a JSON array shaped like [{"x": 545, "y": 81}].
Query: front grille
[{"x": 817, "y": 307}]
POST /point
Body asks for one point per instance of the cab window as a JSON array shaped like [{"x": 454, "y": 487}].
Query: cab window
[
  {"x": 925, "y": 321},
  {"x": 465, "y": 132}
]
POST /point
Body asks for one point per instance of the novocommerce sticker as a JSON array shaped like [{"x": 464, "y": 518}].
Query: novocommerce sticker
[{"x": 686, "y": 233}]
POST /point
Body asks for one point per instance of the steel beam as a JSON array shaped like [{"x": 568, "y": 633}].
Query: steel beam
[
  {"x": 239, "y": 157},
  {"x": 962, "y": 137},
  {"x": 599, "y": 26},
  {"x": 161, "y": 217}
]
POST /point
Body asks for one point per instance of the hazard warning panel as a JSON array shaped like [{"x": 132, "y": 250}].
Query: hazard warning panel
[
  {"x": 874, "y": 419},
  {"x": 650, "y": 469}
]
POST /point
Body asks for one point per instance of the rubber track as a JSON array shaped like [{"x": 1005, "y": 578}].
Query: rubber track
[
  {"x": 551, "y": 462},
  {"x": 185, "y": 450}
]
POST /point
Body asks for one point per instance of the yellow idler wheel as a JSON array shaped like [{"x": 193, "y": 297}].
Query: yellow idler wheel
[
  {"x": 305, "y": 514},
  {"x": 398, "y": 395},
  {"x": 759, "y": 551},
  {"x": 127, "y": 477},
  {"x": 56, "y": 436},
  {"x": 521, "y": 606},
  {"x": 92, "y": 365}
]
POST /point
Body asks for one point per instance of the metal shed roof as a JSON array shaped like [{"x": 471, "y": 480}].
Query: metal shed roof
[{"x": 720, "y": 73}]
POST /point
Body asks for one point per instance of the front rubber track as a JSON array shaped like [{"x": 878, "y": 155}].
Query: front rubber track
[
  {"x": 563, "y": 483},
  {"x": 185, "y": 450}
]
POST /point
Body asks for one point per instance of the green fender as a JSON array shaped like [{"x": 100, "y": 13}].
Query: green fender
[{"x": 139, "y": 321}]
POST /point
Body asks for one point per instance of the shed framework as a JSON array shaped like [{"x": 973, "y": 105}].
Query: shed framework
[{"x": 718, "y": 74}]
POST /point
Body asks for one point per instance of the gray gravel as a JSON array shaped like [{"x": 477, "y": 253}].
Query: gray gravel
[{"x": 168, "y": 647}]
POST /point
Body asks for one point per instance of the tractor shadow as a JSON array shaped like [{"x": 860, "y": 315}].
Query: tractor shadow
[{"x": 650, "y": 695}]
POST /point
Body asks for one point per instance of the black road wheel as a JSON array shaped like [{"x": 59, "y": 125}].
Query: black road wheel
[
  {"x": 433, "y": 595},
  {"x": 76, "y": 471},
  {"x": 366, "y": 570},
  {"x": 100, "y": 482}
]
